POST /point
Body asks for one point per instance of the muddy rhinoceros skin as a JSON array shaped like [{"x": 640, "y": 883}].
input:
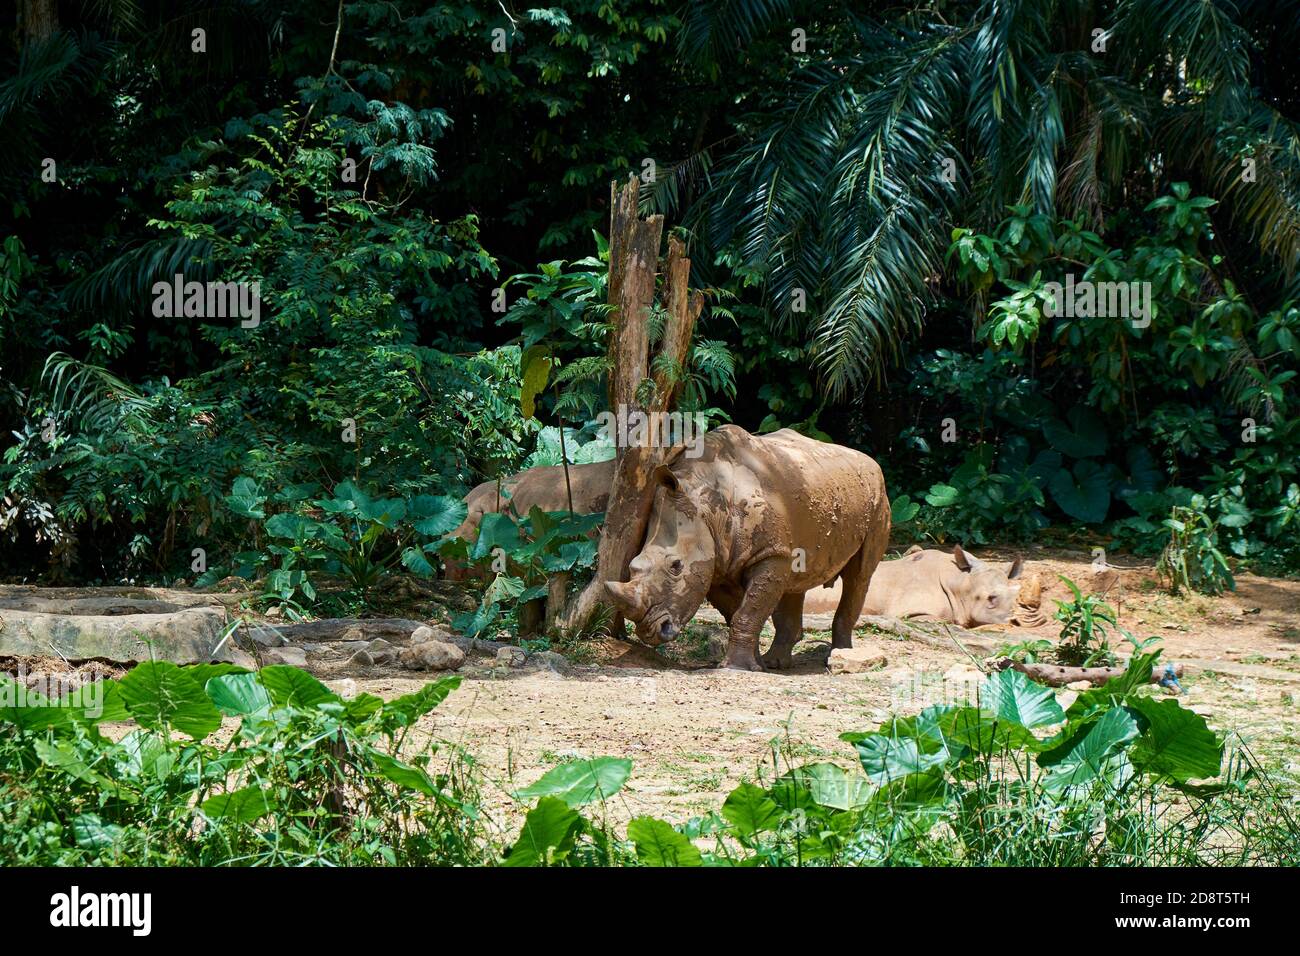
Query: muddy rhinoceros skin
[
  {"x": 542, "y": 487},
  {"x": 751, "y": 525}
]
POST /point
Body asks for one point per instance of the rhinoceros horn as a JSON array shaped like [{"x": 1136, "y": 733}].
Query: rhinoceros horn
[{"x": 624, "y": 594}]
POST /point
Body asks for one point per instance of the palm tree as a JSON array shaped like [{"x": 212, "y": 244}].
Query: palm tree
[{"x": 894, "y": 128}]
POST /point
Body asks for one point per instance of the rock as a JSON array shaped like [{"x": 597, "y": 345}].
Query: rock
[
  {"x": 855, "y": 660},
  {"x": 381, "y": 652},
  {"x": 344, "y": 629},
  {"x": 345, "y": 688},
  {"x": 511, "y": 657},
  {"x": 1079, "y": 685},
  {"x": 432, "y": 656},
  {"x": 274, "y": 612},
  {"x": 468, "y": 644},
  {"x": 293, "y": 656},
  {"x": 426, "y": 632},
  {"x": 242, "y": 658},
  {"x": 551, "y": 661},
  {"x": 361, "y": 659},
  {"x": 963, "y": 674},
  {"x": 266, "y": 636},
  {"x": 185, "y": 636}
]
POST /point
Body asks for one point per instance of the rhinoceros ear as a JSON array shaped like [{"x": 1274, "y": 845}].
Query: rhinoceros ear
[
  {"x": 663, "y": 475},
  {"x": 624, "y": 595},
  {"x": 960, "y": 558},
  {"x": 1016, "y": 567}
]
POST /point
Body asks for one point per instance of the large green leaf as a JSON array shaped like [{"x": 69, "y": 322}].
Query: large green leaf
[
  {"x": 496, "y": 530},
  {"x": 750, "y": 810},
  {"x": 547, "y": 836},
  {"x": 63, "y": 755},
  {"x": 658, "y": 844},
  {"x": 29, "y": 710},
  {"x": 1089, "y": 753},
  {"x": 202, "y": 673},
  {"x": 1083, "y": 437},
  {"x": 92, "y": 833},
  {"x": 159, "y": 694},
  {"x": 833, "y": 786},
  {"x": 580, "y": 782},
  {"x": 291, "y": 687},
  {"x": 1137, "y": 674},
  {"x": 413, "y": 778},
  {"x": 144, "y": 754},
  {"x": 241, "y": 806},
  {"x": 239, "y": 695},
  {"x": 536, "y": 366},
  {"x": 1013, "y": 696},
  {"x": 1083, "y": 493},
  {"x": 246, "y": 500},
  {"x": 1175, "y": 742},
  {"x": 435, "y": 515}
]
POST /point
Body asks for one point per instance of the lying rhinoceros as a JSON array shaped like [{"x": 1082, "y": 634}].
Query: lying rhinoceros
[
  {"x": 940, "y": 586},
  {"x": 752, "y": 524}
]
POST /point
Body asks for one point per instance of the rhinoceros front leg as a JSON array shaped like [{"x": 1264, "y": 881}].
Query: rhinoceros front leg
[
  {"x": 788, "y": 621},
  {"x": 764, "y": 588}
]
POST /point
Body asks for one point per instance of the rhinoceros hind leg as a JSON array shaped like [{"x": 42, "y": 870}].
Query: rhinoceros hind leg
[
  {"x": 856, "y": 576},
  {"x": 788, "y": 621}
]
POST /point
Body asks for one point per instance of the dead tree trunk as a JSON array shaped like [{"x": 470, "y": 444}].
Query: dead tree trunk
[{"x": 637, "y": 383}]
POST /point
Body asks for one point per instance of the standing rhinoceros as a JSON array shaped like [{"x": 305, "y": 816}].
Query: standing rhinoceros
[
  {"x": 940, "y": 586},
  {"x": 542, "y": 487},
  {"x": 752, "y": 524}
]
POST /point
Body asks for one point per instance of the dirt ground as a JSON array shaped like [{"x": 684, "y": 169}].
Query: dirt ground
[{"x": 694, "y": 733}]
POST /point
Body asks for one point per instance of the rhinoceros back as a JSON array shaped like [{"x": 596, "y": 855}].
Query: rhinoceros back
[{"x": 785, "y": 491}]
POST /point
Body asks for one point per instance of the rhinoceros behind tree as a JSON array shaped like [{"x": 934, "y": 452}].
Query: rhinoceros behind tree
[
  {"x": 542, "y": 487},
  {"x": 751, "y": 525}
]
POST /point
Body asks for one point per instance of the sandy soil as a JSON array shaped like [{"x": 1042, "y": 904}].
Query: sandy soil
[{"x": 694, "y": 733}]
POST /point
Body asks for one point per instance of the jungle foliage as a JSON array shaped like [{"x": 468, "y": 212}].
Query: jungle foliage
[
  {"x": 1118, "y": 778},
  {"x": 875, "y": 199}
]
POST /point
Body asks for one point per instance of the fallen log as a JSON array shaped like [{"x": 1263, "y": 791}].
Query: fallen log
[{"x": 1058, "y": 675}]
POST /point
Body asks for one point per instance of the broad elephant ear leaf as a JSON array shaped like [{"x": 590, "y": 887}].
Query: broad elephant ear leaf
[
  {"x": 1014, "y": 697},
  {"x": 436, "y": 515},
  {"x": 1089, "y": 754},
  {"x": 1175, "y": 742},
  {"x": 548, "y": 834},
  {"x": 750, "y": 810},
  {"x": 159, "y": 695},
  {"x": 1082, "y": 493},
  {"x": 580, "y": 782},
  {"x": 1083, "y": 437},
  {"x": 240, "y": 806},
  {"x": 658, "y": 844},
  {"x": 238, "y": 695},
  {"x": 496, "y": 530},
  {"x": 291, "y": 687}
]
